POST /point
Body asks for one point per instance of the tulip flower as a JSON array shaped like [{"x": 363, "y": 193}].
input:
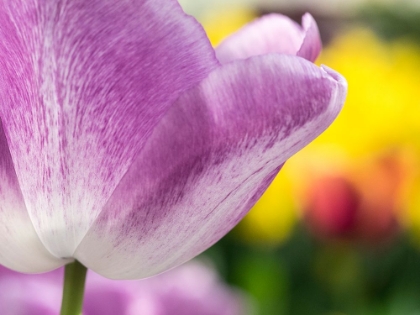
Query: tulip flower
[
  {"x": 129, "y": 144},
  {"x": 193, "y": 288}
]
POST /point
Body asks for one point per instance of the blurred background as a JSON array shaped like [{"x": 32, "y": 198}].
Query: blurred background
[{"x": 338, "y": 231}]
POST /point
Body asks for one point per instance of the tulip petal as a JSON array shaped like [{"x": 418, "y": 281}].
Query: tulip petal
[
  {"x": 208, "y": 161},
  {"x": 82, "y": 85},
  {"x": 311, "y": 45},
  {"x": 20, "y": 247},
  {"x": 273, "y": 33}
]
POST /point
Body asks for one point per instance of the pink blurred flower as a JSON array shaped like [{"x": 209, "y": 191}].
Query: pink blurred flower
[{"x": 192, "y": 289}]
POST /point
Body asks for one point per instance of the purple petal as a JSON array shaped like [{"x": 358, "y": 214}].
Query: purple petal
[
  {"x": 272, "y": 33},
  {"x": 311, "y": 45},
  {"x": 208, "y": 161},
  {"x": 82, "y": 85},
  {"x": 20, "y": 247}
]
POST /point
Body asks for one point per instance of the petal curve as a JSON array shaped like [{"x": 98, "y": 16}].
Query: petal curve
[
  {"x": 20, "y": 247},
  {"x": 208, "y": 161},
  {"x": 82, "y": 85},
  {"x": 273, "y": 33},
  {"x": 311, "y": 45}
]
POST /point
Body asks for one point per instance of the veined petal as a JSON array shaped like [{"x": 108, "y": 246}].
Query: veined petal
[
  {"x": 273, "y": 33},
  {"x": 208, "y": 161},
  {"x": 82, "y": 85},
  {"x": 20, "y": 247}
]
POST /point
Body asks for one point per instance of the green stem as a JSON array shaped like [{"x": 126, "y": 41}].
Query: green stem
[{"x": 74, "y": 287}]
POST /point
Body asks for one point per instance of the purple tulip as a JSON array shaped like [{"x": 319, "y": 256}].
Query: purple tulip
[
  {"x": 131, "y": 145},
  {"x": 192, "y": 289}
]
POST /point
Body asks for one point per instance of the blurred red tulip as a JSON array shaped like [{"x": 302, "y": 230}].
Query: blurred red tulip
[
  {"x": 333, "y": 204},
  {"x": 362, "y": 206}
]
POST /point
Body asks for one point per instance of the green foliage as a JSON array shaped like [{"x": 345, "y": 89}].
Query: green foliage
[
  {"x": 306, "y": 276},
  {"x": 393, "y": 22}
]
